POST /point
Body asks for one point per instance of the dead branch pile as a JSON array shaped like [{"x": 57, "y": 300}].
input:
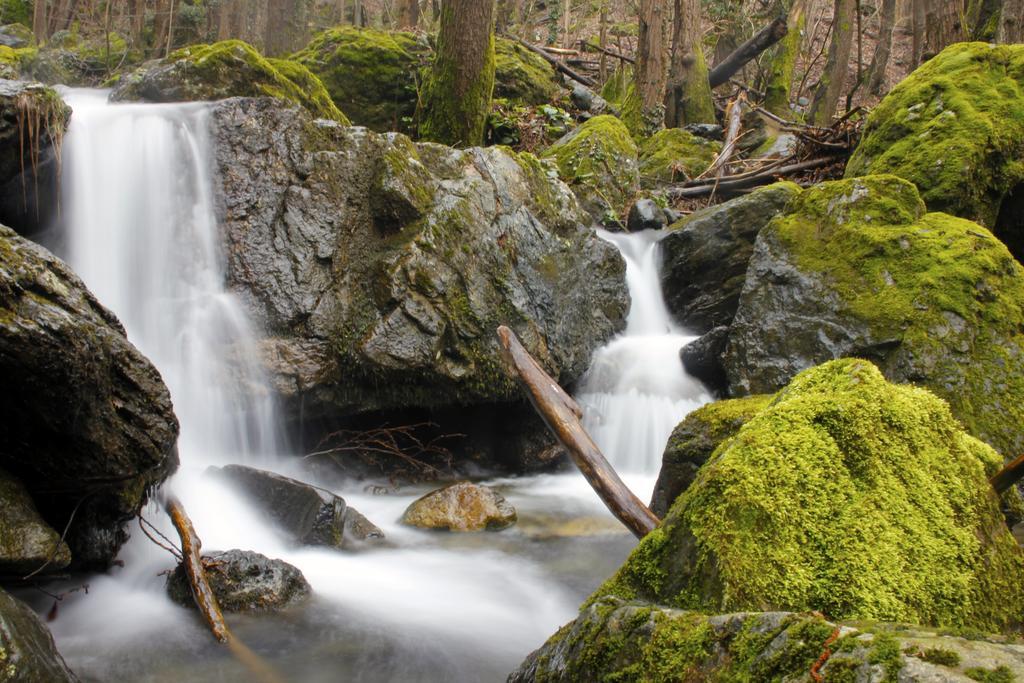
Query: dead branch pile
[{"x": 413, "y": 452}]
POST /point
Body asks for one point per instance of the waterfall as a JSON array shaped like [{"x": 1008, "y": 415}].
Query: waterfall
[
  {"x": 636, "y": 390},
  {"x": 142, "y": 233}
]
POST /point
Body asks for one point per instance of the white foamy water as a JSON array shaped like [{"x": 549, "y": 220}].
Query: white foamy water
[
  {"x": 636, "y": 390},
  {"x": 142, "y": 232}
]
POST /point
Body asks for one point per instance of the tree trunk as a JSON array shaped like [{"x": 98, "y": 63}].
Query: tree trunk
[
  {"x": 942, "y": 26},
  {"x": 285, "y": 27},
  {"x": 782, "y": 65},
  {"x": 39, "y": 23},
  {"x": 983, "y": 19},
  {"x": 566, "y": 23},
  {"x": 689, "y": 95},
  {"x": 750, "y": 49},
  {"x": 602, "y": 41},
  {"x": 1011, "y": 22},
  {"x": 457, "y": 94},
  {"x": 830, "y": 87},
  {"x": 883, "y": 49},
  {"x": 917, "y": 23},
  {"x": 137, "y": 21},
  {"x": 409, "y": 17},
  {"x": 650, "y": 62}
]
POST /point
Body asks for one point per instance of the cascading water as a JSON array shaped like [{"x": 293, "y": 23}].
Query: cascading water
[
  {"x": 636, "y": 390},
  {"x": 141, "y": 230}
]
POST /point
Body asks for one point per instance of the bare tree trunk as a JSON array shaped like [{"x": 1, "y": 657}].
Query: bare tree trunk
[
  {"x": 602, "y": 41},
  {"x": 943, "y": 25},
  {"x": 457, "y": 94},
  {"x": 650, "y": 62},
  {"x": 883, "y": 49},
  {"x": 917, "y": 23},
  {"x": 39, "y": 23},
  {"x": 409, "y": 16},
  {"x": 137, "y": 21},
  {"x": 566, "y": 23},
  {"x": 830, "y": 86},
  {"x": 689, "y": 95},
  {"x": 1011, "y": 22}
]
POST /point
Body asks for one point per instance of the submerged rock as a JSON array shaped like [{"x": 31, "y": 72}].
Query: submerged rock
[
  {"x": 88, "y": 425},
  {"x": 27, "y": 543},
  {"x": 857, "y": 268},
  {"x": 636, "y": 641},
  {"x": 674, "y": 154},
  {"x": 461, "y": 507},
  {"x": 381, "y": 268},
  {"x": 955, "y": 128},
  {"x": 27, "y": 651},
  {"x": 598, "y": 161},
  {"x": 705, "y": 256},
  {"x": 244, "y": 581},
  {"x": 847, "y": 495},
  {"x": 694, "y": 440},
  {"x": 309, "y": 515},
  {"x": 230, "y": 68}
]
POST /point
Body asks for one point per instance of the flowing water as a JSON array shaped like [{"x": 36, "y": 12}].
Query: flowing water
[{"x": 141, "y": 230}]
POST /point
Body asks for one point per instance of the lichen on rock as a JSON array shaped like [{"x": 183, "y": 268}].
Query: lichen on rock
[{"x": 846, "y": 495}]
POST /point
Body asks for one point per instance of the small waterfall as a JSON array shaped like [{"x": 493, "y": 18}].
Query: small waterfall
[
  {"x": 636, "y": 390},
  {"x": 142, "y": 233}
]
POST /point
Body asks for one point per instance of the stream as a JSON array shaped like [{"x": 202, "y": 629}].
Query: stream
[{"x": 140, "y": 229}]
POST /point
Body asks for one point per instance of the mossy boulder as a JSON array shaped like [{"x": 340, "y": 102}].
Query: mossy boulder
[
  {"x": 705, "y": 255},
  {"x": 955, "y": 128},
  {"x": 16, "y": 36},
  {"x": 27, "y": 542},
  {"x": 858, "y": 268},
  {"x": 33, "y": 119},
  {"x": 27, "y": 651},
  {"x": 847, "y": 495},
  {"x": 230, "y": 68},
  {"x": 88, "y": 469},
  {"x": 371, "y": 75},
  {"x": 695, "y": 439},
  {"x": 598, "y": 161},
  {"x": 616, "y": 640},
  {"x": 522, "y": 77},
  {"x": 674, "y": 154}
]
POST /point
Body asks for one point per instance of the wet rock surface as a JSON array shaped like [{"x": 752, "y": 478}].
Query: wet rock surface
[
  {"x": 88, "y": 425},
  {"x": 461, "y": 507},
  {"x": 27, "y": 542},
  {"x": 244, "y": 581},
  {"x": 702, "y": 358},
  {"x": 27, "y": 652},
  {"x": 308, "y": 514}
]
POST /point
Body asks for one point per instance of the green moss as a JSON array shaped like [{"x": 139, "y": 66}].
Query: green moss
[
  {"x": 522, "y": 77},
  {"x": 308, "y": 90},
  {"x": 599, "y": 162},
  {"x": 371, "y": 75},
  {"x": 847, "y": 495},
  {"x": 885, "y": 652},
  {"x": 614, "y": 89},
  {"x": 675, "y": 154},
  {"x": 781, "y": 67},
  {"x": 941, "y": 656},
  {"x": 940, "y": 285},
  {"x": 954, "y": 128},
  {"x": 1000, "y": 674}
]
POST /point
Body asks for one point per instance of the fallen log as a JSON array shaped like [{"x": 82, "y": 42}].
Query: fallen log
[
  {"x": 762, "y": 40},
  {"x": 562, "y": 415},
  {"x": 747, "y": 180},
  {"x": 734, "y": 115},
  {"x": 1008, "y": 476},
  {"x": 611, "y": 53},
  {"x": 557, "y": 63}
]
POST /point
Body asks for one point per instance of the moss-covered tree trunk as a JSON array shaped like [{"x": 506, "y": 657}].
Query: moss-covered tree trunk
[
  {"x": 457, "y": 94},
  {"x": 650, "y": 63},
  {"x": 782, "y": 65},
  {"x": 883, "y": 48},
  {"x": 689, "y": 94},
  {"x": 982, "y": 18},
  {"x": 830, "y": 86}
]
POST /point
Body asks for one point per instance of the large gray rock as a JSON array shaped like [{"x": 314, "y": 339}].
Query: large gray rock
[
  {"x": 381, "y": 269},
  {"x": 244, "y": 581},
  {"x": 87, "y": 421},
  {"x": 705, "y": 256},
  {"x": 27, "y": 652},
  {"x": 859, "y": 268},
  {"x": 309, "y": 515},
  {"x": 635, "y": 641},
  {"x": 27, "y": 543}
]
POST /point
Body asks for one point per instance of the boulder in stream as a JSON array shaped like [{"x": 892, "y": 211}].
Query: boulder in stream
[
  {"x": 461, "y": 507},
  {"x": 27, "y": 542},
  {"x": 88, "y": 426},
  {"x": 244, "y": 581},
  {"x": 306, "y": 513},
  {"x": 27, "y": 651}
]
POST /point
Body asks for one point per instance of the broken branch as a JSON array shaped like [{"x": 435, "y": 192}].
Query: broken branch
[{"x": 762, "y": 40}]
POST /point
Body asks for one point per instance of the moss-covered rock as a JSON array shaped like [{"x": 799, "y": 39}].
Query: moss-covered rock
[
  {"x": 598, "y": 161},
  {"x": 858, "y": 268},
  {"x": 694, "y": 440},
  {"x": 373, "y": 76},
  {"x": 33, "y": 119},
  {"x": 615, "y": 640},
  {"x": 847, "y": 495},
  {"x": 230, "y": 68},
  {"x": 675, "y": 154},
  {"x": 27, "y": 543},
  {"x": 955, "y": 128},
  {"x": 522, "y": 77},
  {"x": 16, "y": 35},
  {"x": 27, "y": 651}
]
